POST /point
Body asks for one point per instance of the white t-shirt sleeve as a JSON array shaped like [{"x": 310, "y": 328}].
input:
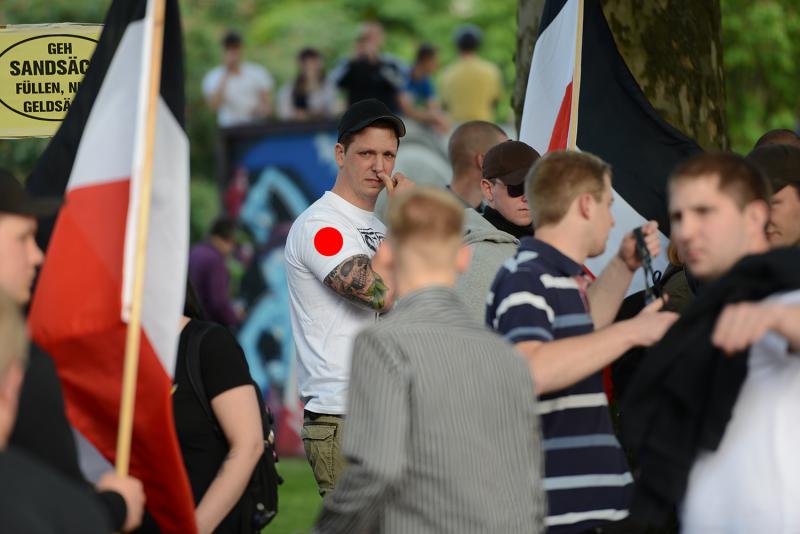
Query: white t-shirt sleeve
[
  {"x": 263, "y": 78},
  {"x": 211, "y": 81},
  {"x": 319, "y": 264},
  {"x": 284, "y": 102}
]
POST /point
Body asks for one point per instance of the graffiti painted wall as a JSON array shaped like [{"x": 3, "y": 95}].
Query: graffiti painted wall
[{"x": 270, "y": 174}]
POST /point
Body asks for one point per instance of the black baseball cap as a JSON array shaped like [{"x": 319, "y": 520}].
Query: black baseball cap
[
  {"x": 779, "y": 163},
  {"x": 365, "y": 112},
  {"x": 509, "y": 161},
  {"x": 14, "y": 199}
]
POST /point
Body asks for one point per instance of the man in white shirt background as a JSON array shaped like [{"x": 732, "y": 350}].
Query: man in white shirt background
[
  {"x": 239, "y": 91},
  {"x": 337, "y": 278}
]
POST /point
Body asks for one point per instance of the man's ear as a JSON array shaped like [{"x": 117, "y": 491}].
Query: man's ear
[
  {"x": 479, "y": 161},
  {"x": 757, "y": 215},
  {"x": 338, "y": 152},
  {"x": 486, "y": 189},
  {"x": 586, "y": 205},
  {"x": 463, "y": 258}
]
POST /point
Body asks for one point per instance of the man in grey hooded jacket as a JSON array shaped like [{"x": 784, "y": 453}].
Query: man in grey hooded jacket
[
  {"x": 504, "y": 169},
  {"x": 490, "y": 248}
]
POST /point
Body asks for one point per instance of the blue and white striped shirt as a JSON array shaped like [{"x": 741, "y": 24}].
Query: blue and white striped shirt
[{"x": 538, "y": 295}]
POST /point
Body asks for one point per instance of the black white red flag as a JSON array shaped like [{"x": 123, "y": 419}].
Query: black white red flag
[
  {"x": 612, "y": 116},
  {"x": 82, "y": 301}
]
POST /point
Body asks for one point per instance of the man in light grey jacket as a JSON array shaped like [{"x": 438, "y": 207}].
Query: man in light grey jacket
[
  {"x": 493, "y": 236},
  {"x": 442, "y": 433},
  {"x": 490, "y": 248}
]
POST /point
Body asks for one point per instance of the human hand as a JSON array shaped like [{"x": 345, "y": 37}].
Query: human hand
[
  {"x": 398, "y": 182},
  {"x": 742, "y": 324},
  {"x": 627, "y": 249},
  {"x": 132, "y": 492},
  {"x": 650, "y": 325}
]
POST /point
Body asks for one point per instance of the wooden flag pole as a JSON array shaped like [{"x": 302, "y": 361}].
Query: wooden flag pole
[
  {"x": 133, "y": 338},
  {"x": 572, "y": 139}
]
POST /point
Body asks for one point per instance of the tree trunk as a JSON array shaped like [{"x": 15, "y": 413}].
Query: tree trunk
[
  {"x": 674, "y": 51},
  {"x": 529, "y": 13}
]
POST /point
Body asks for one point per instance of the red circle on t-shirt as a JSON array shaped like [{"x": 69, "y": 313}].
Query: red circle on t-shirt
[{"x": 328, "y": 241}]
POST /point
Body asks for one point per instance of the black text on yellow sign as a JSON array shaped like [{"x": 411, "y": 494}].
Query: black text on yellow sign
[{"x": 41, "y": 69}]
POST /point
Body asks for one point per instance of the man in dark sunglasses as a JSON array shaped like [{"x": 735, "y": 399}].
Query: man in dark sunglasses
[{"x": 503, "y": 187}]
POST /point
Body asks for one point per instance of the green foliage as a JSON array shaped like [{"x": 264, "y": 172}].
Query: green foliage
[
  {"x": 274, "y": 31},
  {"x": 204, "y": 208},
  {"x": 761, "y": 50}
]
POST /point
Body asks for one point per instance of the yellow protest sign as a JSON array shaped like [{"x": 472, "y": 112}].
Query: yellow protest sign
[{"x": 41, "y": 67}]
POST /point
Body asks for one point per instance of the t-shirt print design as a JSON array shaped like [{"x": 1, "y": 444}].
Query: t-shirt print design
[{"x": 371, "y": 238}]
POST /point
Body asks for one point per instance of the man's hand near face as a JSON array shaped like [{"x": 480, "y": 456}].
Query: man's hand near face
[{"x": 397, "y": 183}]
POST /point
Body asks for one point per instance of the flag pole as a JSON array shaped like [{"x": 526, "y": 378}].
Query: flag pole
[
  {"x": 133, "y": 336},
  {"x": 572, "y": 139}
]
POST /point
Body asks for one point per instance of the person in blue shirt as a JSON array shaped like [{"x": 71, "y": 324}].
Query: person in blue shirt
[{"x": 418, "y": 98}]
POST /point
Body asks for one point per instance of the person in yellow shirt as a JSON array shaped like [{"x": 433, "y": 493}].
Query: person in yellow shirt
[{"x": 471, "y": 86}]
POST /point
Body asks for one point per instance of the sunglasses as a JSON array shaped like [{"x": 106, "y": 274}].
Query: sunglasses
[{"x": 514, "y": 191}]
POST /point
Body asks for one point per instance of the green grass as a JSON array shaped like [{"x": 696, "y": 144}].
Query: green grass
[{"x": 298, "y": 499}]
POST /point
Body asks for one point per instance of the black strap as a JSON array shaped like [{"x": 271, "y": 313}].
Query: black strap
[{"x": 200, "y": 328}]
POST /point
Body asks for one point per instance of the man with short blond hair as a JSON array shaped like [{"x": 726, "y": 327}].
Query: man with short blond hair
[
  {"x": 442, "y": 431},
  {"x": 542, "y": 301},
  {"x": 560, "y": 180}
]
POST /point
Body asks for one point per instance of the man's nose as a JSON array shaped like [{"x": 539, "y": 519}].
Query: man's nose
[
  {"x": 37, "y": 256},
  {"x": 684, "y": 230}
]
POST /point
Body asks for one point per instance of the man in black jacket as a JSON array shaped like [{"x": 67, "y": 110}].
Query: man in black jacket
[
  {"x": 33, "y": 498},
  {"x": 711, "y": 412},
  {"x": 41, "y": 428}
]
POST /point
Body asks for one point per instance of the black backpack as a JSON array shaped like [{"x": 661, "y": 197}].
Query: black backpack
[{"x": 259, "y": 502}]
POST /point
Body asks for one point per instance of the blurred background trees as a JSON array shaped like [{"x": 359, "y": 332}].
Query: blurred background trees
[{"x": 759, "y": 44}]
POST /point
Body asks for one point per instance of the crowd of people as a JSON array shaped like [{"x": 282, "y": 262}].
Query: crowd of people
[
  {"x": 451, "y": 365},
  {"x": 241, "y": 92},
  {"x": 450, "y": 361}
]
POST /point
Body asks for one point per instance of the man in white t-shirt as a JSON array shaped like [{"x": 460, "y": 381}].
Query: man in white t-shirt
[
  {"x": 237, "y": 90},
  {"x": 337, "y": 277},
  {"x": 719, "y": 208}
]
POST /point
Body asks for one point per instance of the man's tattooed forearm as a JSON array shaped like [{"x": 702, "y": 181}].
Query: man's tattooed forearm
[{"x": 355, "y": 280}]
